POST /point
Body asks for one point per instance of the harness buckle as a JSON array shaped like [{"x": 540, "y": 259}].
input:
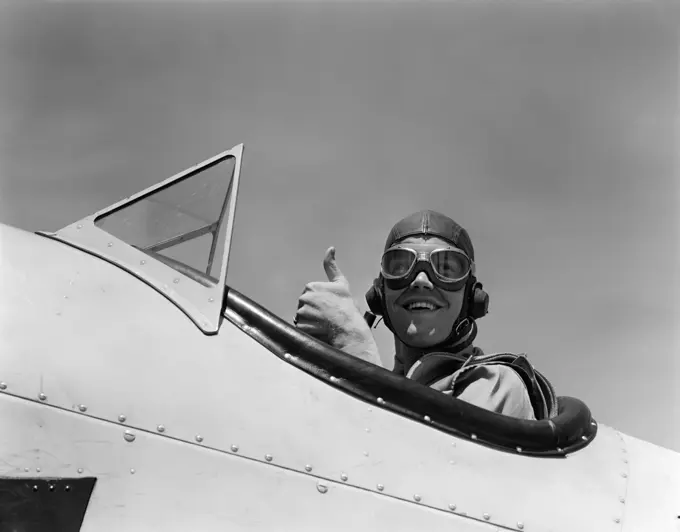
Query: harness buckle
[{"x": 463, "y": 323}]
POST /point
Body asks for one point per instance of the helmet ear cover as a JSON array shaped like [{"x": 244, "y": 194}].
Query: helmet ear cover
[
  {"x": 374, "y": 297},
  {"x": 478, "y": 301}
]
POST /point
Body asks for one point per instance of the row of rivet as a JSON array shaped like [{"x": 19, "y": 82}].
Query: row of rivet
[
  {"x": 322, "y": 487},
  {"x": 130, "y": 436},
  {"x": 473, "y": 436},
  {"x": 37, "y": 470},
  {"x": 143, "y": 262},
  {"x": 624, "y": 474},
  {"x": 52, "y": 487}
]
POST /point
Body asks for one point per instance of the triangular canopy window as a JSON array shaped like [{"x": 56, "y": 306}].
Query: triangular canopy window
[{"x": 182, "y": 225}]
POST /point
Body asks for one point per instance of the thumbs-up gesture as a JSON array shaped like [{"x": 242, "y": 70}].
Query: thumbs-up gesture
[{"x": 326, "y": 310}]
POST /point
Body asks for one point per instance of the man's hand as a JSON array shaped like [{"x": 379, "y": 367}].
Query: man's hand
[{"x": 327, "y": 311}]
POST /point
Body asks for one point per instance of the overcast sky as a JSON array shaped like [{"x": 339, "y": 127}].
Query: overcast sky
[{"x": 549, "y": 133}]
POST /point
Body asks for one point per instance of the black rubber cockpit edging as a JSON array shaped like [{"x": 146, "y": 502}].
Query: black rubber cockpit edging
[{"x": 572, "y": 428}]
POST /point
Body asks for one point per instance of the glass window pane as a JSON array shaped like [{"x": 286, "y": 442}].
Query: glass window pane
[{"x": 180, "y": 221}]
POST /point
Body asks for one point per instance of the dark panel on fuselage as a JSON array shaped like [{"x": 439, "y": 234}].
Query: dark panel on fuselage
[{"x": 44, "y": 504}]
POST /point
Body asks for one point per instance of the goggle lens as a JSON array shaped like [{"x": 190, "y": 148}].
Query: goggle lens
[
  {"x": 449, "y": 265},
  {"x": 397, "y": 263}
]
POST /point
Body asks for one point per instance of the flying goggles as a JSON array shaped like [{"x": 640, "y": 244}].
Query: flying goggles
[{"x": 447, "y": 268}]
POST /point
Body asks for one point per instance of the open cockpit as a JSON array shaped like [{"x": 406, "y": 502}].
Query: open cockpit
[{"x": 175, "y": 236}]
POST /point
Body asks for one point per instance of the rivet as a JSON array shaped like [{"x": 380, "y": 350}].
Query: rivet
[
  {"x": 3, "y": 386},
  {"x": 452, "y": 507},
  {"x": 519, "y": 449},
  {"x": 624, "y": 475},
  {"x": 343, "y": 477},
  {"x": 80, "y": 470},
  {"x": 268, "y": 457},
  {"x": 199, "y": 438},
  {"x": 129, "y": 436},
  {"x": 368, "y": 430},
  {"x": 427, "y": 419},
  {"x": 211, "y": 299},
  {"x": 110, "y": 244},
  {"x": 622, "y": 500},
  {"x": 79, "y": 226},
  {"x": 380, "y": 487},
  {"x": 452, "y": 462},
  {"x": 42, "y": 396},
  {"x": 122, "y": 418},
  {"x": 617, "y": 520},
  {"x": 520, "y": 525},
  {"x": 287, "y": 356},
  {"x": 142, "y": 262},
  {"x": 625, "y": 461},
  {"x": 486, "y": 517},
  {"x": 160, "y": 428},
  {"x": 560, "y": 450},
  {"x": 51, "y": 487},
  {"x": 175, "y": 280},
  {"x": 234, "y": 448},
  {"x": 321, "y": 487},
  {"x": 365, "y": 453},
  {"x": 381, "y": 401},
  {"x": 35, "y": 488},
  {"x": 453, "y": 444},
  {"x": 370, "y": 409},
  {"x": 26, "y": 469},
  {"x": 584, "y": 437},
  {"x": 473, "y": 436},
  {"x": 132, "y": 471},
  {"x": 65, "y": 297},
  {"x": 416, "y": 497},
  {"x": 334, "y": 379},
  {"x": 67, "y": 488},
  {"x": 308, "y": 468},
  {"x": 82, "y": 408},
  {"x": 37, "y": 470}
]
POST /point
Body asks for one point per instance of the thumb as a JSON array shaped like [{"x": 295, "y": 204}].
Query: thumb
[{"x": 332, "y": 270}]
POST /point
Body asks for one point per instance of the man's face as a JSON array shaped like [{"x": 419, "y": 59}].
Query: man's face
[{"x": 422, "y": 327}]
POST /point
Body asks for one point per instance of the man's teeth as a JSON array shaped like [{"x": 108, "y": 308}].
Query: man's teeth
[{"x": 420, "y": 305}]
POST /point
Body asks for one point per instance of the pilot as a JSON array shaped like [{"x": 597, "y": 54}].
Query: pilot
[{"x": 430, "y": 299}]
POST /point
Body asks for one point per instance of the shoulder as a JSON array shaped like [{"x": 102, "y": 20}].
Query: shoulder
[{"x": 498, "y": 388}]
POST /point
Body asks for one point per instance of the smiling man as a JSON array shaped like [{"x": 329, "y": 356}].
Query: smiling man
[{"x": 430, "y": 299}]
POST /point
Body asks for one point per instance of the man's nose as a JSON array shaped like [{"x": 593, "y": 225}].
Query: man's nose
[{"x": 422, "y": 281}]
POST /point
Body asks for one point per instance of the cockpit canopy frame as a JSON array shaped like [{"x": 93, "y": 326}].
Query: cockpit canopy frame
[{"x": 197, "y": 293}]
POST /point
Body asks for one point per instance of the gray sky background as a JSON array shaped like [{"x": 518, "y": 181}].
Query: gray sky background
[{"x": 549, "y": 132}]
